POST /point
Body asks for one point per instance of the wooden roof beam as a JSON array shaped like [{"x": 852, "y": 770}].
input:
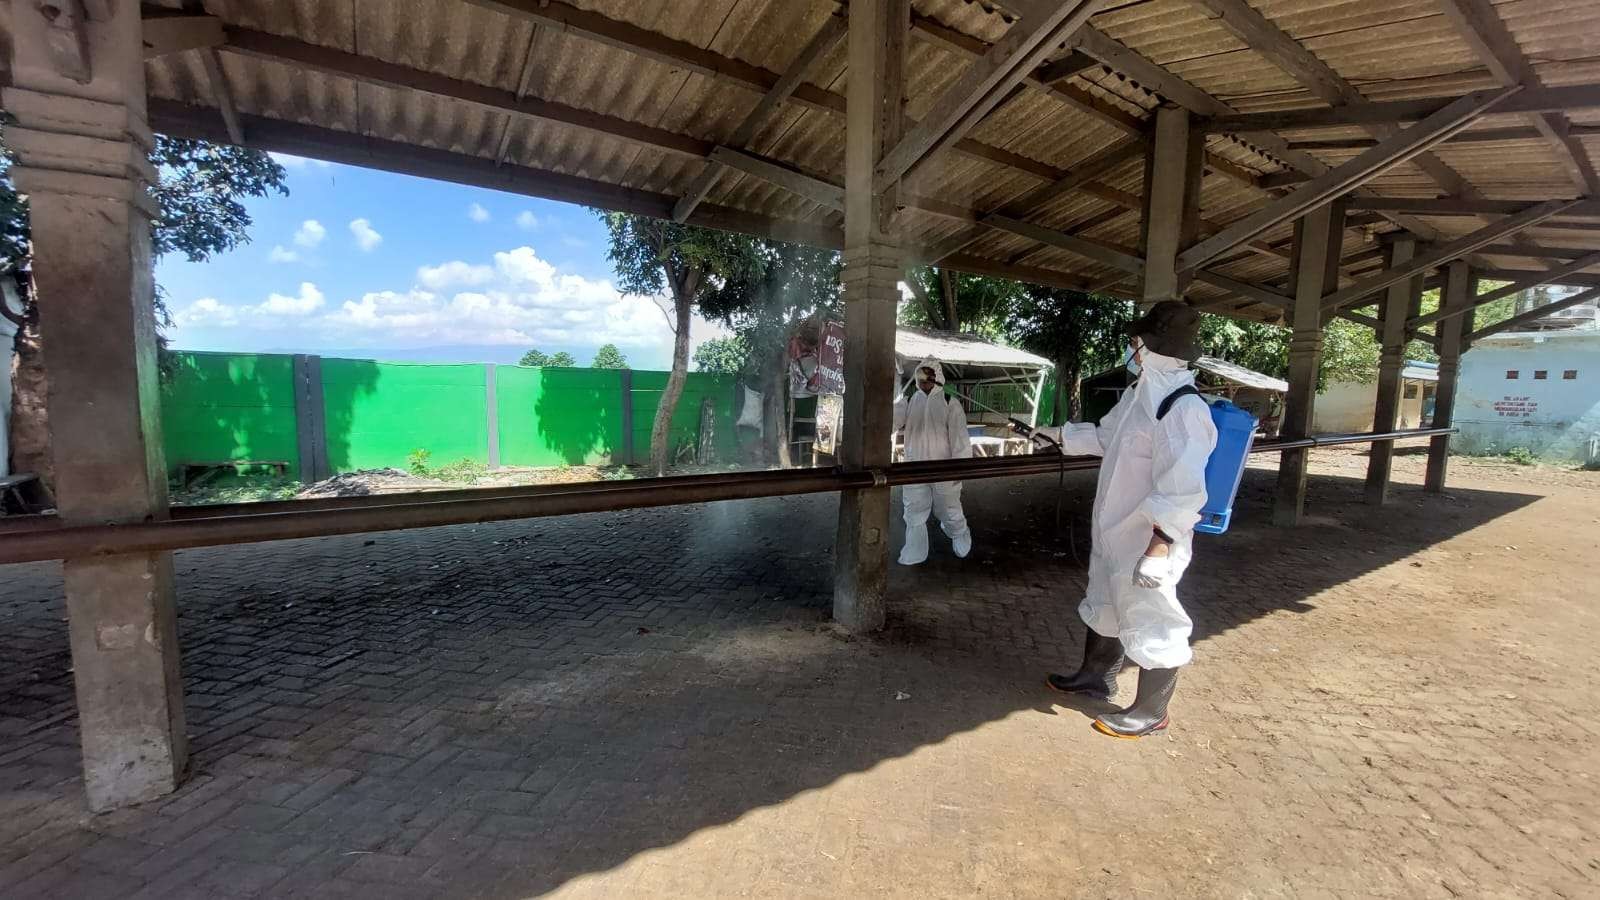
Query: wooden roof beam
[
  {"x": 1529, "y": 100},
  {"x": 1553, "y": 276},
  {"x": 984, "y": 84},
  {"x": 1452, "y": 206},
  {"x": 170, "y": 31},
  {"x": 1534, "y": 315},
  {"x": 1288, "y": 54},
  {"x": 820, "y": 44},
  {"x": 1480, "y": 25},
  {"x": 1345, "y": 177},
  {"x": 1482, "y": 136},
  {"x": 1446, "y": 252}
]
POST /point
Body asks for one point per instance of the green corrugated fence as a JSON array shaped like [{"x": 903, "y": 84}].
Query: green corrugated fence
[{"x": 323, "y": 416}]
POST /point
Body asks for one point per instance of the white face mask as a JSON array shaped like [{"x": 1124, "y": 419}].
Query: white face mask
[{"x": 1131, "y": 361}]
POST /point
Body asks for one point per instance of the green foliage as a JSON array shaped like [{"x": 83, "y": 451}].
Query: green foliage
[
  {"x": 1081, "y": 333},
  {"x": 652, "y": 255},
  {"x": 1522, "y": 456},
  {"x": 465, "y": 471},
  {"x": 417, "y": 462},
  {"x": 608, "y": 357},
  {"x": 984, "y": 305},
  {"x": 620, "y": 473},
  {"x": 723, "y": 356},
  {"x": 535, "y": 357},
  {"x": 246, "y": 488}
]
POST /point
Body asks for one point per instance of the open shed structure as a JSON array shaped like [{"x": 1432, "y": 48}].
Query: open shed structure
[
  {"x": 1280, "y": 160},
  {"x": 1007, "y": 380}
]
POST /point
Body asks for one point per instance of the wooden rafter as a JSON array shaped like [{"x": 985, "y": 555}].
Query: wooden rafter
[
  {"x": 1480, "y": 25},
  {"x": 1343, "y": 178},
  {"x": 168, "y": 31},
  {"x": 1529, "y": 100},
  {"x": 1553, "y": 276},
  {"x": 1534, "y": 315},
  {"x": 983, "y": 85},
  {"x": 1447, "y": 252},
  {"x": 823, "y": 41}
]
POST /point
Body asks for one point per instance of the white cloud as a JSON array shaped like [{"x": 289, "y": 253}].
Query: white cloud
[
  {"x": 477, "y": 213},
  {"x": 527, "y": 221},
  {"x": 277, "y": 311},
  {"x": 454, "y": 273},
  {"x": 282, "y": 254},
  {"x": 515, "y": 298},
  {"x": 308, "y": 301},
  {"x": 310, "y": 233},
  {"x": 366, "y": 237}
]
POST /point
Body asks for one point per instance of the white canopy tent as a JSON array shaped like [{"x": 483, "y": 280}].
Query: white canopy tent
[{"x": 974, "y": 367}]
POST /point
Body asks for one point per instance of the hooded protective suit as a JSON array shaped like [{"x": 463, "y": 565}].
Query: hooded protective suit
[
  {"x": 1153, "y": 476},
  {"x": 936, "y": 428}
]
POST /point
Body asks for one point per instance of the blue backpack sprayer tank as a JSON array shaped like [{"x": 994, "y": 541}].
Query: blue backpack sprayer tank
[{"x": 1236, "y": 432}]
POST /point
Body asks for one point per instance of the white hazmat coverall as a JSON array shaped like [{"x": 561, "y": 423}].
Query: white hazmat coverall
[
  {"x": 936, "y": 428},
  {"x": 1153, "y": 476}
]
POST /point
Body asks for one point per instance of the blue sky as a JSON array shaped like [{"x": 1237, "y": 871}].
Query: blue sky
[{"x": 363, "y": 263}]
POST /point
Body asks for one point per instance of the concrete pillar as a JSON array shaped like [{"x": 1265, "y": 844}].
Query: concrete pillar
[
  {"x": 1317, "y": 238},
  {"x": 1171, "y": 202},
  {"x": 1457, "y": 294},
  {"x": 81, "y": 142},
  {"x": 1400, "y": 301},
  {"x": 872, "y": 272}
]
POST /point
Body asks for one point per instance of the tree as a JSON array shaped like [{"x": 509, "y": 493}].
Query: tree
[
  {"x": 954, "y": 301},
  {"x": 655, "y": 258},
  {"x": 536, "y": 357},
  {"x": 723, "y": 356},
  {"x": 200, "y": 213},
  {"x": 1081, "y": 332},
  {"x": 607, "y": 357},
  {"x": 779, "y": 285}
]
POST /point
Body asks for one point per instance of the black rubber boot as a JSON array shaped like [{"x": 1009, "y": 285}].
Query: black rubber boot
[
  {"x": 1148, "y": 714},
  {"x": 1097, "y": 677}
]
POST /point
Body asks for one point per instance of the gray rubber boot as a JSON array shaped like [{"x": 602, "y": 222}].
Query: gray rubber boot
[
  {"x": 1097, "y": 676},
  {"x": 1148, "y": 714}
]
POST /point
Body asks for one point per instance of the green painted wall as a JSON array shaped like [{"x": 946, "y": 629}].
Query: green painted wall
[
  {"x": 647, "y": 388},
  {"x": 226, "y": 406},
  {"x": 550, "y": 417},
  {"x": 379, "y": 412}
]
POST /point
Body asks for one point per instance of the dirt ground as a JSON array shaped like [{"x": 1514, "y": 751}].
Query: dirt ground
[{"x": 1384, "y": 703}]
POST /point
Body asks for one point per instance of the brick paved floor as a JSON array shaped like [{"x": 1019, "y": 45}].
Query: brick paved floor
[{"x": 653, "y": 704}]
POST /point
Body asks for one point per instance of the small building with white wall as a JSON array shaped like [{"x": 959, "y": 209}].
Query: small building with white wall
[
  {"x": 1348, "y": 406},
  {"x": 1538, "y": 390}
]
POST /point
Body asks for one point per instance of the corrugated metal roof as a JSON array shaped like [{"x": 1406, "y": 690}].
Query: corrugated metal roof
[
  {"x": 913, "y": 345},
  {"x": 1240, "y": 375},
  {"x": 1387, "y": 49}
]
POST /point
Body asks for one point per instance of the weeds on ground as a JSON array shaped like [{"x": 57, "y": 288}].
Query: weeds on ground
[
  {"x": 252, "y": 488},
  {"x": 465, "y": 471},
  {"x": 620, "y": 473},
  {"x": 1522, "y": 456}
]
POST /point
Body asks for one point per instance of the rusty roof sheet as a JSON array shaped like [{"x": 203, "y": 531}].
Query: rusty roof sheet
[{"x": 1386, "y": 49}]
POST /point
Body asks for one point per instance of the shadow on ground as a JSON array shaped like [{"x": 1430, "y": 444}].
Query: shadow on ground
[{"x": 494, "y": 711}]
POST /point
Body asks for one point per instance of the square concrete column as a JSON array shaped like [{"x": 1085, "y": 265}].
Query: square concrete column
[
  {"x": 82, "y": 143},
  {"x": 1400, "y": 302},
  {"x": 1457, "y": 294},
  {"x": 1317, "y": 239},
  {"x": 872, "y": 272},
  {"x": 1171, "y": 219}
]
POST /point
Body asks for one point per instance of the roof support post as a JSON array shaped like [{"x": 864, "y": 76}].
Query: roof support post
[
  {"x": 872, "y": 270},
  {"x": 1347, "y": 176},
  {"x": 1317, "y": 237},
  {"x": 1457, "y": 295},
  {"x": 1171, "y": 202},
  {"x": 1398, "y": 302},
  {"x": 83, "y": 164}
]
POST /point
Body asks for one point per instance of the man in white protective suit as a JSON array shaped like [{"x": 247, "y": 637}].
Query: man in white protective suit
[
  {"x": 1147, "y": 502},
  {"x": 935, "y": 428}
]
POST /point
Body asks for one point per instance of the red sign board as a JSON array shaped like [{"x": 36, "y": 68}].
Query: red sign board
[{"x": 830, "y": 359}]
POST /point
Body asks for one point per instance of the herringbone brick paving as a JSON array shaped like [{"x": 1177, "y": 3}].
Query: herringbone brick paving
[{"x": 652, "y": 703}]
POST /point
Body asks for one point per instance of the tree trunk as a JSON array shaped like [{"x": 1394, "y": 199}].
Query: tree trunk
[
  {"x": 660, "y": 432},
  {"x": 947, "y": 287},
  {"x": 30, "y": 429},
  {"x": 1074, "y": 382},
  {"x": 774, "y": 394}
]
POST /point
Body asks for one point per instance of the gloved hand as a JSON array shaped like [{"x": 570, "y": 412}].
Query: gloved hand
[{"x": 1152, "y": 571}]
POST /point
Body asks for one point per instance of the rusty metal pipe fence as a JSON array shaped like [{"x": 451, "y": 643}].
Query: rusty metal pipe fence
[{"x": 241, "y": 523}]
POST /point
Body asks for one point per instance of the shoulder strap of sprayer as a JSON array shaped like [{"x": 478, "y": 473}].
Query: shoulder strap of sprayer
[{"x": 1166, "y": 405}]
